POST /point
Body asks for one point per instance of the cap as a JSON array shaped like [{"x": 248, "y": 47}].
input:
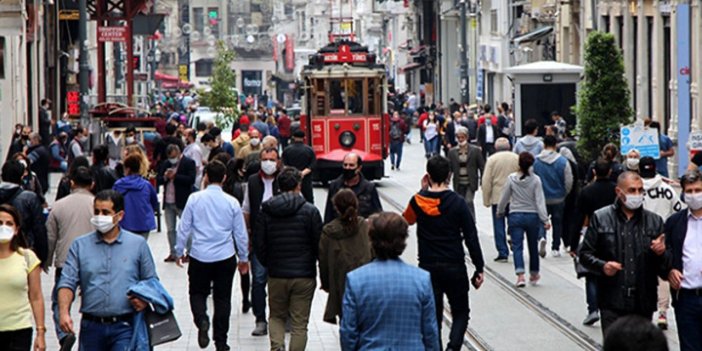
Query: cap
[
  {"x": 299, "y": 133},
  {"x": 244, "y": 120},
  {"x": 647, "y": 167}
]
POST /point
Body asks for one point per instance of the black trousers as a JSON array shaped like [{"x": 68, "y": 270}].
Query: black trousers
[
  {"x": 16, "y": 340},
  {"x": 451, "y": 279},
  {"x": 216, "y": 277},
  {"x": 608, "y": 317}
]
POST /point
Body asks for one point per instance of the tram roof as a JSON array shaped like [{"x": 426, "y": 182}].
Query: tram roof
[{"x": 342, "y": 71}]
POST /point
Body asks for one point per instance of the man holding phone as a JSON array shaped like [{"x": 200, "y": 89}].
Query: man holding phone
[{"x": 625, "y": 247}]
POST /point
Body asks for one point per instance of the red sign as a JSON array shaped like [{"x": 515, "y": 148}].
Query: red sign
[
  {"x": 289, "y": 54},
  {"x": 117, "y": 34},
  {"x": 345, "y": 56},
  {"x": 73, "y": 102}
]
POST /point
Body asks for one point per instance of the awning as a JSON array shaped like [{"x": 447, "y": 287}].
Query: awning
[
  {"x": 165, "y": 77},
  {"x": 533, "y": 35},
  {"x": 176, "y": 85},
  {"x": 409, "y": 67}
]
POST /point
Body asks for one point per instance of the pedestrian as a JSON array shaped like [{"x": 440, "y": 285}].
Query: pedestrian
[
  {"x": 624, "y": 243},
  {"x": 442, "y": 224},
  {"x": 58, "y": 152},
  {"x": 194, "y": 152},
  {"x": 344, "y": 246},
  {"x": 20, "y": 139},
  {"x": 431, "y": 135},
  {"x": 301, "y": 156},
  {"x": 557, "y": 180},
  {"x": 596, "y": 195},
  {"x": 215, "y": 222},
  {"x": 467, "y": 165},
  {"x": 243, "y": 138},
  {"x": 160, "y": 154},
  {"x": 104, "y": 176},
  {"x": 30, "y": 180},
  {"x": 666, "y": 150},
  {"x": 488, "y": 132},
  {"x": 254, "y": 145},
  {"x": 388, "y": 304},
  {"x": 449, "y": 128},
  {"x": 235, "y": 185},
  {"x": 497, "y": 170},
  {"x": 398, "y": 130},
  {"x": 609, "y": 153},
  {"x": 64, "y": 188},
  {"x": 22, "y": 298},
  {"x": 560, "y": 125},
  {"x": 527, "y": 215},
  {"x": 77, "y": 146},
  {"x": 69, "y": 218},
  {"x": 144, "y": 164},
  {"x": 682, "y": 232},
  {"x": 529, "y": 142},
  {"x": 177, "y": 176},
  {"x": 261, "y": 186},
  {"x": 352, "y": 178},
  {"x": 287, "y": 235},
  {"x": 39, "y": 158},
  {"x": 284, "y": 123},
  {"x": 105, "y": 264},
  {"x": 115, "y": 143},
  {"x": 140, "y": 199},
  {"x": 131, "y": 138},
  {"x": 29, "y": 206},
  {"x": 631, "y": 163}
]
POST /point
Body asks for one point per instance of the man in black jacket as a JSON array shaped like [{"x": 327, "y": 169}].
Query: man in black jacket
[
  {"x": 625, "y": 245},
  {"x": 685, "y": 272},
  {"x": 302, "y": 157},
  {"x": 29, "y": 206},
  {"x": 288, "y": 230},
  {"x": 104, "y": 177},
  {"x": 261, "y": 187},
  {"x": 352, "y": 178},
  {"x": 177, "y": 176},
  {"x": 39, "y": 156}
]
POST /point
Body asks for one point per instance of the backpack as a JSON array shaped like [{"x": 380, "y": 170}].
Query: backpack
[{"x": 395, "y": 131}]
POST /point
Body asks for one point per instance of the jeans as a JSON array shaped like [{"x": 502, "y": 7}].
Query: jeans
[
  {"x": 556, "y": 213},
  {"x": 451, "y": 279},
  {"x": 16, "y": 340},
  {"x": 431, "y": 146},
  {"x": 519, "y": 224},
  {"x": 172, "y": 213},
  {"x": 290, "y": 298},
  {"x": 60, "y": 334},
  {"x": 591, "y": 293},
  {"x": 467, "y": 193},
  {"x": 396, "y": 153},
  {"x": 216, "y": 277},
  {"x": 258, "y": 288},
  {"x": 105, "y": 337},
  {"x": 498, "y": 228},
  {"x": 688, "y": 316}
]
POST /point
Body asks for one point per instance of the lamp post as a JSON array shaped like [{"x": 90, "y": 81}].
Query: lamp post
[{"x": 465, "y": 96}]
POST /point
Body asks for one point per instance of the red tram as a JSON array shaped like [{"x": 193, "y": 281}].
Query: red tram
[{"x": 344, "y": 109}]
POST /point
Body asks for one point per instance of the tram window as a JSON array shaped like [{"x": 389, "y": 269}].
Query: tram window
[
  {"x": 354, "y": 91},
  {"x": 336, "y": 97},
  {"x": 372, "y": 96},
  {"x": 320, "y": 95}
]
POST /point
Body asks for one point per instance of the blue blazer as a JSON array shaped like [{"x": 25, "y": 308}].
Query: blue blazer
[{"x": 388, "y": 305}]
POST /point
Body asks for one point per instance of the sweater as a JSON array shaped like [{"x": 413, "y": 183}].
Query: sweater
[{"x": 523, "y": 195}]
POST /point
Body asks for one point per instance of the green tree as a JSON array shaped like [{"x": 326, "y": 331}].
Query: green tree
[
  {"x": 222, "y": 97},
  {"x": 603, "y": 99}
]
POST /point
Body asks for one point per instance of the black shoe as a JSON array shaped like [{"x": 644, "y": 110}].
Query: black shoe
[
  {"x": 202, "y": 338},
  {"x": 224, "y": 347},
  {"x": 246, "y": 306},
  {"x": 500, "y": 259},
  {"x": 67, "y": 342}
]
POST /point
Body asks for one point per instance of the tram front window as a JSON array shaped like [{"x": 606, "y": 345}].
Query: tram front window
[{"x": 346, "y": 96}]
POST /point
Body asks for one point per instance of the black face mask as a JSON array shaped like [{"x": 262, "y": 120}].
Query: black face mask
[{"x": 349, "y": 173}]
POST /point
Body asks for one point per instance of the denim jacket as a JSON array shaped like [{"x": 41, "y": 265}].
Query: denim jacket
[{"x": 153, "y": 293}]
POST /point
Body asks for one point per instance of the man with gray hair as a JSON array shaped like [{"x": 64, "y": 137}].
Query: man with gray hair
[
  {"x": 466, "y": 160},
  {"x": 498, "y": 167}
]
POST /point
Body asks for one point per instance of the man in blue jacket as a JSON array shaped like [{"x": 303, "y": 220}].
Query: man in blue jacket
[
  {"x": 388, "y": 304},
  {"x": 556, "y": 180}
]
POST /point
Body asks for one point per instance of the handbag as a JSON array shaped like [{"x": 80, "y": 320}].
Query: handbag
[{"x": 162, "y": 328}]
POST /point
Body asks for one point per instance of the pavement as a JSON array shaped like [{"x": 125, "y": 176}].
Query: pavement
[{"x": 496, "y": 316}]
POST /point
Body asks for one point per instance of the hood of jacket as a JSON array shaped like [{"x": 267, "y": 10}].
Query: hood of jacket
[
  {"x": 8, "y": 191},
  {"x": 548, "y": 156},
  {"x": 283, "y": 205},
  {"x": 338, "y": 230},
  {"x": 433, "y": 204},
  {"x": 526, "y": 183},
  {"x": 132, "y": 182},
  {"x": 529, "y": 141}
]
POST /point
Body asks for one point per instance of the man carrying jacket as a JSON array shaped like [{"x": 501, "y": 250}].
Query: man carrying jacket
[
  {"x": 625, "y": 245},
  {"x": 287, "y": 231}
]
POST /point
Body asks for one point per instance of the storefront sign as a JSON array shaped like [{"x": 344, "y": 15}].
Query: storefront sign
[
  {"x": 113, "y": 34},
  {"x": 251, "y": 82}
]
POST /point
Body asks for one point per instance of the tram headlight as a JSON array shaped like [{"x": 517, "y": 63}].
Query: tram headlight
[{"x": 347, "y": 139}]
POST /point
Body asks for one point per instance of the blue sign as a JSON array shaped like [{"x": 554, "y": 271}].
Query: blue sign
[
  {"x": 683, "y": 76},
  {"x": 479, "y": 85},
  {"x": 644, "y": 140}
]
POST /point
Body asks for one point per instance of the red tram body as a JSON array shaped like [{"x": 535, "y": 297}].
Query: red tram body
[{"x": 344, "y": 109}]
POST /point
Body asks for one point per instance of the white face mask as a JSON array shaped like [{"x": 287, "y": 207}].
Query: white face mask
[
  {"x": 173, "y": 161},
  {"x": 102, "y": 224},
  {"x": 632, "y": 164},
  {"x": 463, "y": 143},
  {"x": 129, "y": 140},
  {"x": 634, "y": 202},
  {"x": 694, "y": 201},
  {"x": 6, "y": 233},
  {"x": 255, "y": 141},
  {"x": 269, "y": 167}
]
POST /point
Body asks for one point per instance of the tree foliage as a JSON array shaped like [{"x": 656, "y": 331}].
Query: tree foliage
[
  {"x": 222, "y": 97},
  {"x": 603, "y": 98}
]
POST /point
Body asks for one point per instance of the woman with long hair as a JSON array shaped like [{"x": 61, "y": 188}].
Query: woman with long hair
[
  {"x": 145, "y": 165},
  {"x": 343, "y": 247},
  {"x": 431, "y": 135},
  {"x": 527, "y": 212},
  {"x": 20, "y": 291}
]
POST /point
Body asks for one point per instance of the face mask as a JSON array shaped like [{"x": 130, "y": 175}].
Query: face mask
[
  {"x": 129, "y": 140},
  {"x": 173, "y": 160},
  {"x": 6, "y": 233},
  {"x": 24, "y": 163},
  {"x": 349, "y": 173},
  {"x": 632, "y": 163},
  {"x": 463, "y": 143},
  {"x": 269, "y": 167},
  {"x": 634, "y": 202},
  {"x": 102, "y": 224},
  {"x": 693, "y": 201},
  {"x": 255, "y": 141}
]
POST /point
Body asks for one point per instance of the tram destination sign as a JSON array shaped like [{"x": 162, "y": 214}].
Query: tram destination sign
[{"x": 344, "y": 55}]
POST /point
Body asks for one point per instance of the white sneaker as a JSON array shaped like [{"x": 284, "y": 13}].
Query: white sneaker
[
  {"x": 542, "y": 247},
  {"x": 555, "y": 253}
]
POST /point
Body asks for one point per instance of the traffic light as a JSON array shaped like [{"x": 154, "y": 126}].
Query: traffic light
[{"x": 213, "y": 16}]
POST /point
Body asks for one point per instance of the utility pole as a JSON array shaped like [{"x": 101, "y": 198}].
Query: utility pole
[
  {"x": 83, "y": 64},
  {"x": 465, "y": 96}
]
